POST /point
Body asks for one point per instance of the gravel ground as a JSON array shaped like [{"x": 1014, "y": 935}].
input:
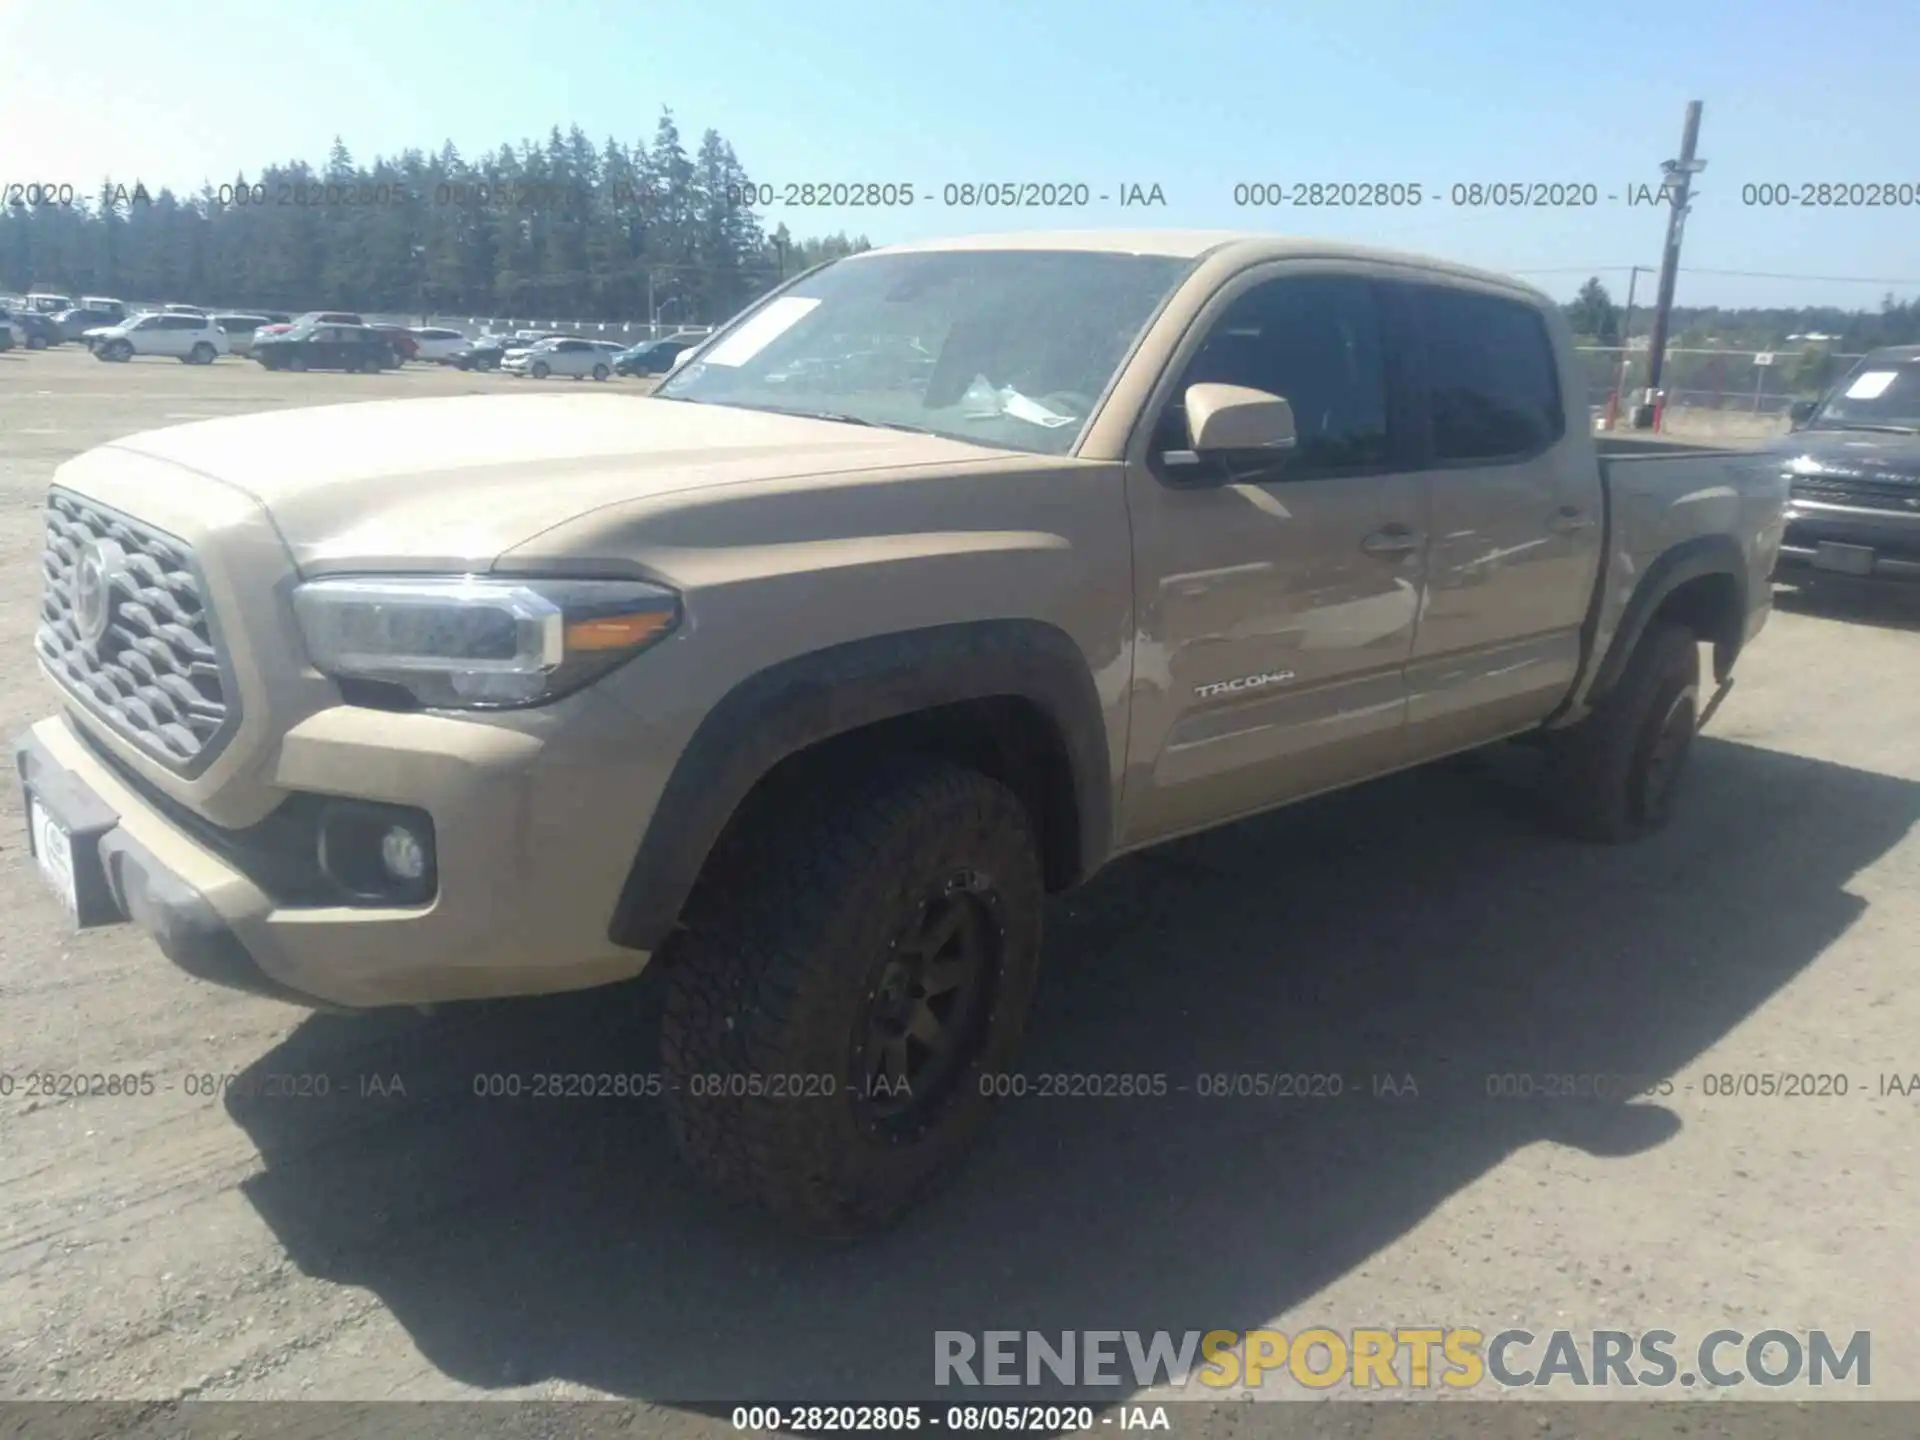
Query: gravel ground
[{"x": 402, "y": 1239}]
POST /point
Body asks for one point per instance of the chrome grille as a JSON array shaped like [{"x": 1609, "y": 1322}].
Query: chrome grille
[
  {"x": 152, "y": 669},
  {"x": 1866, "y": 491}
]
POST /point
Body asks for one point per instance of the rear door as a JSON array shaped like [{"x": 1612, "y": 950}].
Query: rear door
[
  {"x": 1276, "y": 601},
  {"x": 1515, "y": 519}
]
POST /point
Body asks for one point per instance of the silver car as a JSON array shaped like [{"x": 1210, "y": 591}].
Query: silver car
[{"x": 578, "y": 358}]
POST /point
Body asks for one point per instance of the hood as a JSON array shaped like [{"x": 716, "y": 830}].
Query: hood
[
  {"x": 1853, "y": 454},
  {"x": 452, "y": 483}
]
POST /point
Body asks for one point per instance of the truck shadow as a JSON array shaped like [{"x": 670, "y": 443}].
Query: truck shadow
[{"x": 1417, "y": 928}]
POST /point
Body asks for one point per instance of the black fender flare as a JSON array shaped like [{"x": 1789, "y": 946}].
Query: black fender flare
[
  {"x": 797, "y": 703},
  {"x": 1689, "y": 560}
]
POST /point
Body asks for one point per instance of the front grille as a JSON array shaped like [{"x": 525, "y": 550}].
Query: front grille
[
  {"x": 155, "y": 673},
  {"x": 1861, "y": 490}
]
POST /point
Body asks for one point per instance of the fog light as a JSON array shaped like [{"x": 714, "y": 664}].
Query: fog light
[
  {"x": 403, "y": 854},
  {"x": 378, "y": 854}
]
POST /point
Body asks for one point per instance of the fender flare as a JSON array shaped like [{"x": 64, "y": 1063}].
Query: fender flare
[
  {"x": 1691, "y": 559},
  {"x": 797, "y": 703}
]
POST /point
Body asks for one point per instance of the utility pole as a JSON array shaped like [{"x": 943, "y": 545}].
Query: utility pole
[
  {"x": 1626, "y": 346},
  {"x": 1678, "y": 183}
]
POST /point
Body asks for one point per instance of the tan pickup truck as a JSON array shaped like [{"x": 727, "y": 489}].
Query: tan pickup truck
[{"x": 934, "y": 582}]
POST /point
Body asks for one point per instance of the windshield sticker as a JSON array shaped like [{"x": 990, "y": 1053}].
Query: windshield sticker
[
  {"x": 1872, "y": 385},
  {"x": 761, "y": 331}
]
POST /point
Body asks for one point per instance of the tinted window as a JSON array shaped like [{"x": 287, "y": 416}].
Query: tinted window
[
  {"x": 1492, "y": 376},
  {"x": 1315, "y": 341}
]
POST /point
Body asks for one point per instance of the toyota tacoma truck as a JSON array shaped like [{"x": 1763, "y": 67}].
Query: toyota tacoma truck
[
  {"x": 1853, "y": 463},
  {"x": 812, "y": 675}
]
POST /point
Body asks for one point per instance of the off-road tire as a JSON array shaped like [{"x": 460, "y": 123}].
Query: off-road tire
[
  {"x": 769, "y": 983},
  {"x": 1614, "y": 776}
]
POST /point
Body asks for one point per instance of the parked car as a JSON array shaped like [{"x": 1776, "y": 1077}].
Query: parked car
[
  {"x": 240, "y": 330},
  {"x": 650, "y": 357},
  {"x": 1271, "y": 517},
  {"x": 36, "y": 330},
  {"x": 434, "y": 343},
  {"x": 192, "y": 339},
  {"x": 486, "y": 353},
  {"x": 92, "y": 313},
  {"x": 1853, "y": 461},
  {"x": 45, "y": 302},
  {"x": 400, "y": 340},
  {"x": 325, "y": 347},
  {"x": 11, "y": 335},
  {"x": 577, "y": 358}
]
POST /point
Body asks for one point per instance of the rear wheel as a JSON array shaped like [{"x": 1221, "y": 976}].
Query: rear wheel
[
  {"x": 1616, "y": 774},
  {"x": 856, "y": 968},
  {"x": 599, "y": 372},
  {"x": 202, "y": 354}
]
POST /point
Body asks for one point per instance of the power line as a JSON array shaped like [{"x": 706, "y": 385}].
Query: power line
[{"x": 1743, "y": 274}]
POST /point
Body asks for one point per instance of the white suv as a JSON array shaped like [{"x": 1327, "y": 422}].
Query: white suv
[
  {"x": 577, "y": 358},
  {"x": 436, "y": 342},
  {"x": 190, "y": 339}
]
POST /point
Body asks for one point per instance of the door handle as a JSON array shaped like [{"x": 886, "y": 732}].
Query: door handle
[
  {"x": 1391, "y": 540},
  {"x": 1568, "y": 519}
]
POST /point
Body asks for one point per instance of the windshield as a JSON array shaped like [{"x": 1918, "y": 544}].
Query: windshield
[
  {"x": 1009, "y": 348},
  {"x": 1876, "y": 395}
]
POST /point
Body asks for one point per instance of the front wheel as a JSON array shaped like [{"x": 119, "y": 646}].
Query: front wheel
[
  {"x": 36, "y": 342},
  {"x": 296, "y": 362},
  {"x": 120, "y": 350},
  {"x": 1615, "y": 775},
  {"x": 855, "y": 974},
  {"x": 541, "y": 369}
]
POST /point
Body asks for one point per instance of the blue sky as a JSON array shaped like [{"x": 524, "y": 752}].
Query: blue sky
[{"x": 1195, "y": 96}]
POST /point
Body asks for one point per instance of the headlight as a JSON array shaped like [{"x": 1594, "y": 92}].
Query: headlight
[{"x": 475, "y": 642}]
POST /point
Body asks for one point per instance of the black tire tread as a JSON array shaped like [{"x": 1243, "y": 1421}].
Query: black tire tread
[
  {"x": 759, "y": 926},
  {"x": 1587, "y": 766}
]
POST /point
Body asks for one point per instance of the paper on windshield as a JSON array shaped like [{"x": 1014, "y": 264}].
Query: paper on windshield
[
  {"x": 1872, "y": 385},
  {"x": 761, "y": 331},
  {"x": 984, "y": 401}
]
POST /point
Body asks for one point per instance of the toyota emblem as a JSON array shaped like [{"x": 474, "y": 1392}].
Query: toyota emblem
[{"x": 101, "y": 563}]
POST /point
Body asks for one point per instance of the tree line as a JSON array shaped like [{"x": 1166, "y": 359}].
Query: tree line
[
  {"x": 1801, "y": 366},
  {"x": 564, "y": 228}
]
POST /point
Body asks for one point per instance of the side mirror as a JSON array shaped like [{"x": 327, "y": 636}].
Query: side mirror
[
  {"x": 1233, "y": 418},
  {"x": 1227, "y": 422},
  {"x": 1800, "y": 412}
]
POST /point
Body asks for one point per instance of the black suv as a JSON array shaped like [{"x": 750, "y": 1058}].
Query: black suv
[{"x": 1854, "y": 463}]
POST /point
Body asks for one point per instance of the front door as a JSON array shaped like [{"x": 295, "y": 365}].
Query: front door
[{"x": 1276, "y": 605}]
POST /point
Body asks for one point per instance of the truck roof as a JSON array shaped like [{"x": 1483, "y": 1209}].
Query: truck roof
[
  {"x": 1250, "y": 246},
  {"x": 1894, "y": 352}
]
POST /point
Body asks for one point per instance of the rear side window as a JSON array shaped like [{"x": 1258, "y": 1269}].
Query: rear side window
[{"x": 1492, "y": 379}]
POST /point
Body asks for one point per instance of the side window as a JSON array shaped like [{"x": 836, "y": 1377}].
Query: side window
[
  {"x": 1492, "y": 379},
  {"x": 1316, "y": 342}
]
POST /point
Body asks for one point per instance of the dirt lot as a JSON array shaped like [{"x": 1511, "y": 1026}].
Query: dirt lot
[{"x": 401, "y": 1238}]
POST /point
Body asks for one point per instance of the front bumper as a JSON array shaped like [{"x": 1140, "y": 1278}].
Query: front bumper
[
  {"x": 1892, "y": 536},
  {"x": 525, "y": 891}
]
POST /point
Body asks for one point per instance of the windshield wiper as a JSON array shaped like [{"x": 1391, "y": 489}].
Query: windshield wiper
[
  {"x": 839, "y": 418},
  {"x": 1862, "y": 425}
]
